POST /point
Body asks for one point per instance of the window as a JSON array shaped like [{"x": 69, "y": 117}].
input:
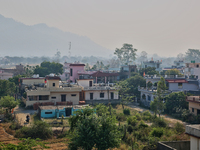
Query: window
[
  {"x": 91, "y": 96},
  {"x": 90, "y": 83},
  {"x": 48, "y": 112},
  {"x": 71, "y": 72},
  {"x": 197, "y": 66},
  {"x": 53, "y": 97},
  {"x": 54, "y": 84},
  {"x": 101, "y": 95},
  {"x": 43, "y": 97},
  {"x": 73, "y": 94},
  {"x": 180, "y": 85},
  {"x": 111, "y": 95},
  {"x": 192, "y": 109}
]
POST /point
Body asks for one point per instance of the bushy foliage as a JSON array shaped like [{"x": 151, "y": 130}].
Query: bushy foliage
[
  {"x": 142, "y": 125},
  {"x": 147, "y": 116},
  {"x": 121, "y": 117},
  {"x": 179, "y": 128},
  {"x": 100, "y": 132},
  {"x": 157, "y": 132},
  {"x": 132, "y": 120},
  {"x": 8, "y": 102},
  {"x": 39, "y": 129},
  {"x": 159, "y": 122},
  {"x": 126, "y": 111},
  {"x": 26, "y": 144},
  {"x": 101, "y": 109}
]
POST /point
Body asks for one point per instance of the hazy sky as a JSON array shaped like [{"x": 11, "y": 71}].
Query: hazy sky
[{"x": 165, "y": 27}]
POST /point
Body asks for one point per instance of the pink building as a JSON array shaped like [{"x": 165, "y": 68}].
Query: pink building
[{"x": 74, "y": 70}]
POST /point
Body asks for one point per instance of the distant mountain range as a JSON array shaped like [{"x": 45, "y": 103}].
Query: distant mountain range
[{"x": 18, "y": 39}]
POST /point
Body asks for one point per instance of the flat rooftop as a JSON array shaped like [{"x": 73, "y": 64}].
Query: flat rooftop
[{"x": 193, "y": 130}]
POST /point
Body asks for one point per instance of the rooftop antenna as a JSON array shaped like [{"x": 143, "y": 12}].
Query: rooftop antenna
[{"x": 69, "y": 50}]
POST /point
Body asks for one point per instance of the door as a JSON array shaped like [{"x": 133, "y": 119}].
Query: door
[
  {"x": 63, "y": 98},
  {"x": 112, "y": 95},
  {"x": 91, "y": 96},
  {"x": 68, "y": 111}
]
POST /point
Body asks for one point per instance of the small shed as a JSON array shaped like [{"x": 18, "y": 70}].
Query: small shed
[{"x": 58, "y": 111}]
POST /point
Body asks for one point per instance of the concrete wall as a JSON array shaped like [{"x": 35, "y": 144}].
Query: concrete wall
[
  {"x": 75, "y": 70},
  {"x": 84, "y": 83},
  {"x": 105, "y": 101},
  {"x": 195, "y": 106},
  {"x": 43, "y": 115},
  {"x": 50, "y": 83},
  {"x": 185, "y": 86},
  {"x": 174, "y": 145},
  {"x": 195, "y": 143},
  {"x": 96, "y": 94},
  {"x": 33, "y": 81},
  {"x": 57, "y": 95}
]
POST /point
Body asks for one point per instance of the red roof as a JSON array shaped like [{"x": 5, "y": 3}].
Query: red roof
[
  {"x": 103, "y": 74},
  {"x": 176, "y": 80},
  {"x": 77, "y": 65}
]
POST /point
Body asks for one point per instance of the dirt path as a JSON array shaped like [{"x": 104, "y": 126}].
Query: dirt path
[
  {"x": 172, "y": 120},
  {"x": 22, "y": 113}
]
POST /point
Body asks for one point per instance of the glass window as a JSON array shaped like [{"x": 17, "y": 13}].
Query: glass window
[
  {"x": 180, "y": 85},
  {"x": 73, "y": 94},
  {"x": 53, "y": 97},
  {"x": 48, "y": 112},
  {"x": 101, "y": 95}
]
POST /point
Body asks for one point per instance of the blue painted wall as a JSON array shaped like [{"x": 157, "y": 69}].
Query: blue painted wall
[{"x": 52, "y": 115}]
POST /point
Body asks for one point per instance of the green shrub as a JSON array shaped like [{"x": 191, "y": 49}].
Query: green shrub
[
  {"x": 39, "y": 129},
  {"x": 147, "y": 116},
  {"x": 159, "y": 122},
  {"x": 132, "y": 120},
  {"x": 142, "y": 125},
  {"x": 138, "y": 116},
  {"x": 157, "y": 132},
  {"x": 126, "y": 111},
  {"x": 179, "y": 128},
  {"x": 121, "y": 117}
]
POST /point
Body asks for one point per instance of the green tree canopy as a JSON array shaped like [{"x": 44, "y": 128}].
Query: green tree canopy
[
  {"x": 158, "y": 105},
  {"x": 7, "y": 88},
  {"x": 126, "y": 54},
  {"x": 175, "y": 101},
  {"x": 47, "y": 67},
  {"x": 148, "y": 71},
  {"x": 173, "y": 72},
  {"x": 100, "y": 132},
  {"x": 8, "y": 102}
]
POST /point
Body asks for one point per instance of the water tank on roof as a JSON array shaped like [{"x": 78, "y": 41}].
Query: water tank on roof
[
  {"x": 36, "y": 76},
  {"x": 51, "y": 75}
]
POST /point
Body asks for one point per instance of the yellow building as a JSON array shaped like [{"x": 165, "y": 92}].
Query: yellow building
[
  {"x": 194, "y": 104},
  {"x": 53, "y": 92}
]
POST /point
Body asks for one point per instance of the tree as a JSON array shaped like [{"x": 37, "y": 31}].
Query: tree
[
  {"x": 148, "y": 71},
  {"x": 8, "y": 102},
  {"x": 15, "y": 79},
  {"x": 192, "y": 55},
  {"x": 7, "y": 88},
  {"x": 158, "y": 105},
  {"x": 100, "y": 132},
  {"x": 47, "y": 67},
  {"x": 173, "y": 72},
  {"x": 180, "y": 56},
  {"x": 143, "y": 56},
  {"x": 175, "y": 102},
  {"x": 128, "y": 89},
  {"x": 126, "y": 54}
]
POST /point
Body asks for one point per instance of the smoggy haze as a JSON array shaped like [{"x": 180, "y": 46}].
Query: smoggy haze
[{"x": 165, "y": 27}]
